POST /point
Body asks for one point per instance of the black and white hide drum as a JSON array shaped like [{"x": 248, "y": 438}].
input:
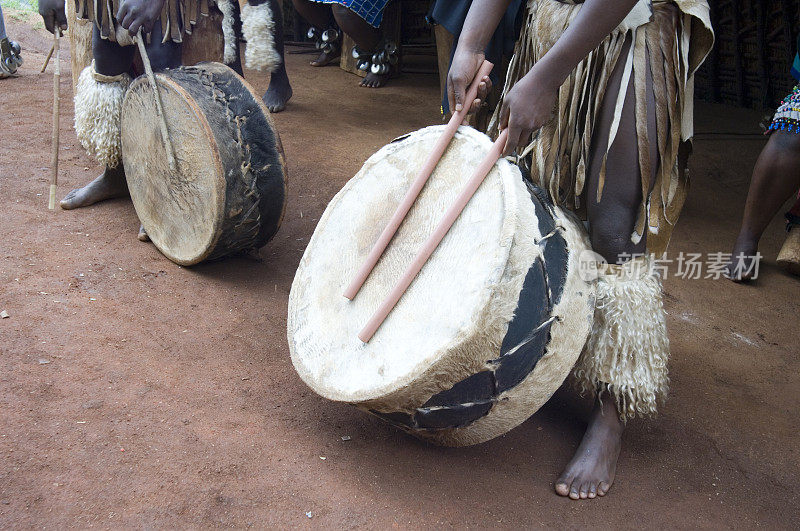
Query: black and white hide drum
[
  {"x": 487, "y": 331},
  {"x": 229, "y": 191}
]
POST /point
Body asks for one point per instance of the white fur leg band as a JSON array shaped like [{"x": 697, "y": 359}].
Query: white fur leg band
[
  {"x": 98, "y": 104},
  {"x": 628, "y": 349},
  {"x": 258, "y": 29},
  {"x": 228, "y": 34}
]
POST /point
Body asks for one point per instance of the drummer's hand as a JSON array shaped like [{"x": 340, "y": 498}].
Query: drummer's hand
[
  {"x": 527, "y": 107},
  {"x": 135, "y": 14},
  {"x": 53, "y": 13},
  {"x": 462, "y": 71}
]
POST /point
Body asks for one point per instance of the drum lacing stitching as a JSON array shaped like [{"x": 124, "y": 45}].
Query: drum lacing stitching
[
  {"x": 245, "y": 217},
  {"x": 539, "y": 242}
]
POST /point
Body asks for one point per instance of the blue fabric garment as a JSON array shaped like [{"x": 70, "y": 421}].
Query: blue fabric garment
[
  {"x": 452, "y": 13},
  {"x": 369, "y": 10}
]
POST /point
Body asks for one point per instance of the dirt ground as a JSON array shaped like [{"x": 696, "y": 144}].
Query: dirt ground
[{"x": 137, "y": 393}]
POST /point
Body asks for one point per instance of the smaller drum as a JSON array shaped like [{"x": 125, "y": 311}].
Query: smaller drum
[
  {"x": 229, "y": 191},
  {"x": 487, "y": 331}
]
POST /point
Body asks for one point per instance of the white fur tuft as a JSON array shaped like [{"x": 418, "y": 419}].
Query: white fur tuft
[
  {"x": 97, "y": 116},
  {"x": 226, "y": 7},
  {"x": 628, "y": 349},
  {"x": 258, "y": 29}
]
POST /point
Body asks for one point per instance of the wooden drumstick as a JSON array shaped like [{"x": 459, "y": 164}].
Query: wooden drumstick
[
  {"x": 173, "y": 166},
  {"x": 56, "y": 104},
  {"x": 47, "y": 59},
  {"x": 417, "y": 185},
  {"x": 436, "y": 237}
]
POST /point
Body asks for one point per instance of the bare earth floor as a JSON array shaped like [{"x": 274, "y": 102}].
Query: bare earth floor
[{"x": 134, "y": 392}]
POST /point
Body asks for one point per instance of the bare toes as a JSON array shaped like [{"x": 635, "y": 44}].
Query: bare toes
[
  {"x": 584, "y": 493},
  {"x": 602, "y": 489},
  {"x": 562, "y": 489},
  {"x": 592, "y": 491}
]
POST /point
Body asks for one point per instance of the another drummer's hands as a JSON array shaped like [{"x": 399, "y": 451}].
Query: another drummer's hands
[
  {"x": 135, "y": 14},
  {"x": 462, "y": 71},
  {"x": 527, "y": 107},
  {"x": 54, "y": 15}
]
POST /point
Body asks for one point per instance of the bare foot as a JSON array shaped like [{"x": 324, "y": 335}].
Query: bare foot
[
  {"x": 742, "y": 267},
  {"x": 143, "y": 237},
  {"x": 591, "y": 471},
  {"x": 325, "y": 58},
  {"x": 279, "y": 91},
  {"x": 374, "y": 80},
  {"x": 110, "y": 184}
]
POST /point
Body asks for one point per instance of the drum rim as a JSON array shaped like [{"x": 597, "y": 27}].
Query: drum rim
[
  {"x": 510, "y": 220},
  {"x": 166, "y": 82}
]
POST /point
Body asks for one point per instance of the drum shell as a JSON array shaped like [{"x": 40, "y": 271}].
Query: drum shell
[{"x": 248, "y": 154}]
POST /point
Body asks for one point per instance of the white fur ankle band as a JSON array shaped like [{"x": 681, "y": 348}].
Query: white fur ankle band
[
  {"x": 229, "y": 36},
  {"x": 97, "y": 114},
  {"x": 258, "y": 28},
  {"x": 628, "y": 349}
]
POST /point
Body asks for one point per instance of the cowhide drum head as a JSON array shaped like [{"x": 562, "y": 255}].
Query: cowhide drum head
[{"x": 487, "y": 331}]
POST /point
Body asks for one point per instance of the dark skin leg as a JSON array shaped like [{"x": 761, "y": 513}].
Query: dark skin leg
[
  {"x": 319, "y": 16},
  {"x": 592, "y": 469},
  {"x": 237, "y": 28},
  {"x": 776, "y": 178},
  {"x": 279, "y": 91},
  {"x": 365, "y": 36},
  {"x": 111, "y": 60}
]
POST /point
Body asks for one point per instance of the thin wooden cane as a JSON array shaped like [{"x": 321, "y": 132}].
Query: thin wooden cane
[
  {"x": 173, "y": 166},
  {"x": 436, "y": 238},
  {"x": 56, "y": 104},
  {"x": 416, "y": 186}
]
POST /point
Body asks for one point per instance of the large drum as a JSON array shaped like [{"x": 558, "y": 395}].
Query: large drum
[
  {"x": 228, "y": 193},
  {"x": 487, "y": 331}
]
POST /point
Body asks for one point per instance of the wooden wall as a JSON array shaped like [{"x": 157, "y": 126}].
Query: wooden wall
[{"x": 756, "y": 41}]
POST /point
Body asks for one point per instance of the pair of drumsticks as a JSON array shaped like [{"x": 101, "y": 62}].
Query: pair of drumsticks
[{"x": 444, "y": 226}]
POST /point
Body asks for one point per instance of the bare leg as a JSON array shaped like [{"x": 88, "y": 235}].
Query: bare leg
[
  {"x": 591, "y": 471},
  {"x": 318, "y": 15},
  {"x": 365, "y": 36},
  {"x": 279, "y": 91},
  {"x": 237, "y": 31},
  {"x": 111, "y": 60},
  {"x": 776, "y": 177}
]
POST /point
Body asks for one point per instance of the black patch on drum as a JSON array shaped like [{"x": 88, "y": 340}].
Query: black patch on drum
[
  {"x": 543, "y": 208},
  {"x": 556, "y": 258},
  {"x": 514, "y": 367},
  {"x": 479, "y": 386},
  {"x": 404, "y": 420},
  {"x": 533, "y": 307},
  {"x": 400, "y": 138},
  {"x": 452, "y": 416}
]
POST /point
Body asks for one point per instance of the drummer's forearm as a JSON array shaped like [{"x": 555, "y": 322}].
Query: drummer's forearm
[
  {"x": 481, "y": 23},
  {"x": 595, "y": 21}
]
